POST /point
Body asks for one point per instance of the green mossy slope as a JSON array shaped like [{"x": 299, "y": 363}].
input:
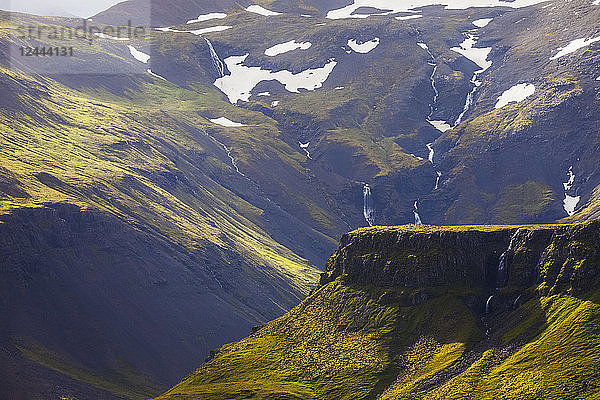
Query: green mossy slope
[{"x": 430, "y": 337}]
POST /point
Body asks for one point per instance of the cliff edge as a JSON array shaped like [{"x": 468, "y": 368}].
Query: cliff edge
[{"x": 419, "y": 312}]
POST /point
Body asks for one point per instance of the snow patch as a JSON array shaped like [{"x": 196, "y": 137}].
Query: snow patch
[
  {"x": 364, "y": 47},
  {"x": 105, "y": 36},
  {"x": 569, "y": 184},
  {"x": 304, "y": 146},
  {"x": 261, "y": 10},
  {"x": 239, "y": 85},
  {"x": 441, "y": 126},
  {"x": 138, "y": 55},
  {"x": 570, "y": 202},
  {"x": 226, "y": 122},
  {"x": 407, "y": 17},
  {"x": 286, "y": 47},
  {"x": 423, "y": 46},
  {"x": 155, "y": 75},
  {"x": 207, "y": 17},
  {"x": 483, "y": 22},
  {"x": 573, "y": 46},
  {"x": 515, "y": 94},
  {"x": 476, "y": 54},
  {"x": 218, "y": 28},
  {"x": 396, "y": 6}
]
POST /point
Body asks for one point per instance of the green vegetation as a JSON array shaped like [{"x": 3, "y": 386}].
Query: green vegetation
[
  {"x": 95, "y": 152},
  {"x": 349, "y": 341},
  {"x": 526, "y": 200}
]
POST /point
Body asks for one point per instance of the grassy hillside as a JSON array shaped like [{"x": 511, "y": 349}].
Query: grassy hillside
[
  {"x": 119, "y": 206},
  {"x": 355, "y": 339},
  {"x": 124, "y": 210}
]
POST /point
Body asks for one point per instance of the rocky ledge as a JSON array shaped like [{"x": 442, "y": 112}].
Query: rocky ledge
[{"x": 493, "y": 260}]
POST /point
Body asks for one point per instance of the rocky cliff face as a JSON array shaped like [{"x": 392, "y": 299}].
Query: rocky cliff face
[
  {"x": 560, "y": 259},
  {"x": 427, "y": 257},
  {"x": 430, "y": 313}
]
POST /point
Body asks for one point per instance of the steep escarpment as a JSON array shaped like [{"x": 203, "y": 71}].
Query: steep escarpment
[{"x": 430, "y": 313}]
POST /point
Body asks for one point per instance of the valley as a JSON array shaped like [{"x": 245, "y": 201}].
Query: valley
[{"x": 165, "y": 192}]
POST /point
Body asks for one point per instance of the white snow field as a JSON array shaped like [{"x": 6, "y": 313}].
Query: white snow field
[
  {"x": 364, "y": 47},
  {"x": 406, "y": 6},
  {"x": 287, "y": 47},
  {"x": 261, "y": 10},
  {"x": 138, "y": 55},
  {"x": 515, "y": 94},
  {"x": 207, "y": 17},
  {"x": 573, "y": 46},
  {"x": 226, "y": 122},
  {"x": 239, "y": 84}
]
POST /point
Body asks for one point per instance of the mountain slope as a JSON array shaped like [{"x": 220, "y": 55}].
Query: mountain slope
[
  {"x": 414, "y": 312},
  {"x": 117, "y": 217},
  {"x": 529, "y": 147},
  {"x": 207, "y": 218}
]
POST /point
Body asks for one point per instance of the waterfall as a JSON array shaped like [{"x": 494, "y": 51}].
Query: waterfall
[
  {"x": 438, "y": 173},
  {"x": 470, "y": 96},
  {"x": 368, "y": 211},
  {"x": 479, "y": 56},
  {"x": 433, "y": 63},
  {"x": 502, "y": 276},
  {"x": 437, "y": 180},
  {"x": 228, "y": 151},
  {"x": 487, "y": 304},
  {"x": 436, "y": 95},
  {"x": 516, "y": 302},
  {"x": 431, "y": 152},
  {"x": 435, "y": 91},
  {"x": 217, "y": 63},
  {"x": 416, "y": 212}
]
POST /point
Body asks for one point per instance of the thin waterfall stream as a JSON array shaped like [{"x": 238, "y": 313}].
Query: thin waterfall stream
[
  {"x": 368, "y": 211},
  {"x": 502, "y": 271},
  {"x": 217, "y": 63}
]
